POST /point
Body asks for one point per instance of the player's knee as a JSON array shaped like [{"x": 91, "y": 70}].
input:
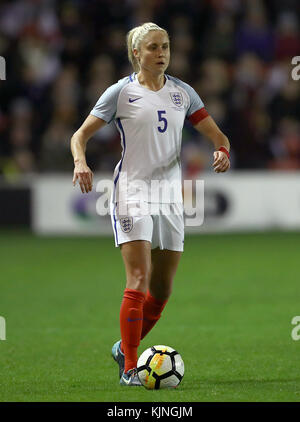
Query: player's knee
[{"x": 138, "y": 279}]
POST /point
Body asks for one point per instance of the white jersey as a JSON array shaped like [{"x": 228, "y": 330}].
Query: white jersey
[{"x": 150, "y": 125}]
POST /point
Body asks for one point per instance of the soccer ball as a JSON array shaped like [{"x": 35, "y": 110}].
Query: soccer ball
[{"x": 160, "y": 367}]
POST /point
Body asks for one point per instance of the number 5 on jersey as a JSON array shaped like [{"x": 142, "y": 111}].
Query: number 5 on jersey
[{"x": 164, "y": 126}]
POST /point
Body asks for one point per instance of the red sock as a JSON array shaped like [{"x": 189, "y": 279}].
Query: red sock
[
  {"x": 131, "y": 321},
  {"x": 151, "y": 313}
]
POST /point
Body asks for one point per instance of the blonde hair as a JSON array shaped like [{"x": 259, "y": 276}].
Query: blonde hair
[{"x": 134, "y": 38}]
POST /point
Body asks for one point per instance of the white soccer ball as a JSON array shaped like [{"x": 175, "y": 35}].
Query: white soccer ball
[{"x": 160, "y": 367}]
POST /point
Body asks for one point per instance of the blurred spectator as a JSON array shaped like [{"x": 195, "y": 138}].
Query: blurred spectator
[
  {"x": 286, "y": 146},
  {"x": 286, "y": 103},
  {"x": 55, "y": 154},
  {"x": 287, "y": 40},
  {"x": 220, "y": 39},
  {"x": 255, "y": 35}
]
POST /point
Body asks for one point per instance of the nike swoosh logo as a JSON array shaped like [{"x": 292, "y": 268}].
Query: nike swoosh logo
[
  {"x": 134, "y": 319},
  {"x": 131, "y": 100}
]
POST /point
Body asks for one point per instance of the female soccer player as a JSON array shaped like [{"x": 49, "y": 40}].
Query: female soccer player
[{"x": 149, "y": 108}]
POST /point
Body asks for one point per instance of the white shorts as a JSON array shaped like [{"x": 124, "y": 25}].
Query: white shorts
[{"x": 163, "y": 227}]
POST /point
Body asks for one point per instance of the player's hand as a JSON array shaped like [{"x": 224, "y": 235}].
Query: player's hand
[
  {"x": 221, "y": 162},
  {"x": 84, "y": 175}
]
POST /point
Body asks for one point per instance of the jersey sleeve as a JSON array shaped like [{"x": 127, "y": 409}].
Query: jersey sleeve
[
  {"x": 106, "y": 106},
  {"x": 196, "y": 110}
]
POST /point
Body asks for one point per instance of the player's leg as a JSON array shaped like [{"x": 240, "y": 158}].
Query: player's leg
[
  {"x": 137, "y": 260},
  {"x": 164, "y": 266},
  {"x": 133, "y": 235},
  {"x": 168, "y": 234}
]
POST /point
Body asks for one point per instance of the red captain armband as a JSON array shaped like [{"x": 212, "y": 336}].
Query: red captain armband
[
  {"x": 223, "y": 149},
  {"x": 198, "y": 116}
]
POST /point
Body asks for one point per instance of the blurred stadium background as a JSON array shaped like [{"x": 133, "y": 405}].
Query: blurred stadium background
[{"x": 60, "y": 56}]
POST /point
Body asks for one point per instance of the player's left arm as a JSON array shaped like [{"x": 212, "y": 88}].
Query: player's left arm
[{"x": 208, "y": 128}]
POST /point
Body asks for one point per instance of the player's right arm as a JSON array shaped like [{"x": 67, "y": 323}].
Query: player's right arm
[
  {"x": 82, "y": 172},
  {"x": 103, "y": 112}
]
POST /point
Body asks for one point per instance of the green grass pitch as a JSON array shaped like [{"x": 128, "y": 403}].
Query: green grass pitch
[{"x": 229, "y": 317}]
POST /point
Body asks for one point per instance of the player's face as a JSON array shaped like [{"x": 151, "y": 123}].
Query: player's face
[{"x": 154, "y": 52}]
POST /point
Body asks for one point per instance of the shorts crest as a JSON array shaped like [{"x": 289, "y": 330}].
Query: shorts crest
[
  {"x": 177, "y": 98},
  {"x": 126, "y": 224}
]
